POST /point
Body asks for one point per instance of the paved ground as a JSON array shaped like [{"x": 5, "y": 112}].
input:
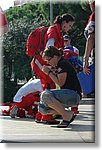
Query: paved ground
[{"x": 82, "y": 130}]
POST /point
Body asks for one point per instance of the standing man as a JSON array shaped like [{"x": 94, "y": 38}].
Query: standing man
[{"x": 90, "y": 36}]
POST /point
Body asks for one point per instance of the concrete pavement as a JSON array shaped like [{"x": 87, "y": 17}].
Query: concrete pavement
[{"x": 81, "y": 130}]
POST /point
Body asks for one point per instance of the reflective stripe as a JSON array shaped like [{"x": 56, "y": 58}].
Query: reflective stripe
[{"x": 38, "y": 64}]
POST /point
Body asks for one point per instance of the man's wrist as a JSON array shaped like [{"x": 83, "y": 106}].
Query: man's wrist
[{"x": 85, "y": 59}]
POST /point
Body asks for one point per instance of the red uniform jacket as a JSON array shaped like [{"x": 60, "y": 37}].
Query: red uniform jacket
[
  {"x": 46, "y": 81},
  {"x": 54, "y": 31}
]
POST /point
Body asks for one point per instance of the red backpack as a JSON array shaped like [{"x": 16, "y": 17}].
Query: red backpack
[{"x": 35, "y": 41}]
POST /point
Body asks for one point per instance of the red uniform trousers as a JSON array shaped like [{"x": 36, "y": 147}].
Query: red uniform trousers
[
  {"x": 28, "y": 105},
  {"x": 46, "y": 83}
]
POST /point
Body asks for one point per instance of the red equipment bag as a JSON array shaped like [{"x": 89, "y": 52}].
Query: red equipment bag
[{"x": 35, "y": 42}]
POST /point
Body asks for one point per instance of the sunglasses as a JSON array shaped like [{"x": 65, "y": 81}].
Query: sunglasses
[{"x": 66, "y": 40}]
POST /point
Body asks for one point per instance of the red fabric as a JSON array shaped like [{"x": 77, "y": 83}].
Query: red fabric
[
  {"x": 6, "y": 112},
  {"x": 75, "y": 110},
  {"x": 45, "y": 79},
  {"x": 27, "y": 104},
  {"x": 93, "y": 4},
  {"x": 38, "y": 116},
  {"x": 21, "y": 113},
  {"x": 34, "y": 41},
  {"x": 92, "y": 17},
  {"x": 3, "y": 20},
  {"x": 55, "y": 32},
  {"x": 28, "y": 100},
  {"x": 46, "y": 117}
]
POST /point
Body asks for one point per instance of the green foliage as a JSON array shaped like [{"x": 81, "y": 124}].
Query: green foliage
[
  {"x": 14, "y": 47},
  {"x": 22, "y": 20}
]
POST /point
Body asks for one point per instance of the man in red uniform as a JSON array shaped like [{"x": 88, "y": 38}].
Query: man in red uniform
[{"x": 26, "y": 100}]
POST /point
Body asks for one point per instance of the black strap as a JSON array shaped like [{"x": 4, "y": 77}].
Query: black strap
[
  {"x": 41, "y": 46},
  {"x": 42, "y": 40},
  {"x": 48, "y": 86}
]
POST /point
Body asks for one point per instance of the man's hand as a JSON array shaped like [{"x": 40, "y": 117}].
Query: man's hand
[
  {"x": 86, "y": 69},
  {"x": 45, "y": 69}
]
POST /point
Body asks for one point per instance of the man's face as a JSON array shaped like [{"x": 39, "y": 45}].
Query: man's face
[
  {"x": 67, "y": 26},
  {"x": 67, "y": 42}
]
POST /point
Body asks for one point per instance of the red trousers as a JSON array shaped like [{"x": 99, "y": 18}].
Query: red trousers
[{"x": 28, "y": 105}]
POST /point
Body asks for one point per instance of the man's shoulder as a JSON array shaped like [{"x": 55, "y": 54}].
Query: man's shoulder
[
  {"x": 54, "y": 28},
  {"x": 51, "y": 28},
  {"x": 63, "y": 63}
]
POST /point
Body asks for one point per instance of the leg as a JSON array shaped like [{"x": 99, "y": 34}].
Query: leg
[
  {"x": 51, "y": 102},
  {"x": 57, "y": 106}
]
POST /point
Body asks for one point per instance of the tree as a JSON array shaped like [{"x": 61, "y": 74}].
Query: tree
[
  {"x": 16, "y": 62},
  {"x": 22, "y": 20}
]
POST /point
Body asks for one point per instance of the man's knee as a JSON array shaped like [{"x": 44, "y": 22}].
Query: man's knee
[
  {"x": 43, "y": 109},
  {"x": 47, "y": 97}
]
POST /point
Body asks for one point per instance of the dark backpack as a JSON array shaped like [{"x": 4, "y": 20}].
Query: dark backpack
[{"x": 35, "y": 41}]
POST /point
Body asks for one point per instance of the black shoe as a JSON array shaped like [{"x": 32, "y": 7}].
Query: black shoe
[
  {"x": 63, "y": 124},
  {"x": 72, "y": 119},
  {"x": 49, "y": 122},
  {"x": 40, "y": 121},
  {"x": 53, "y": 121}
]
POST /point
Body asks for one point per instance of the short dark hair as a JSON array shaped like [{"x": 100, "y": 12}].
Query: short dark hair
[{"x": 51, "y": 51}]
